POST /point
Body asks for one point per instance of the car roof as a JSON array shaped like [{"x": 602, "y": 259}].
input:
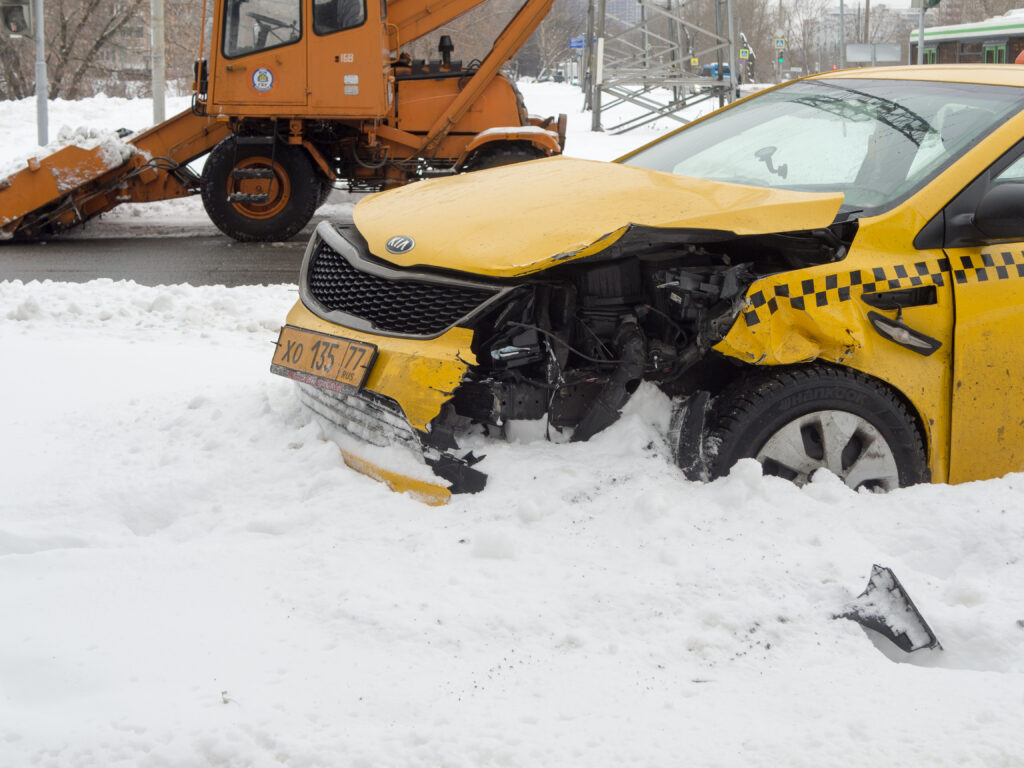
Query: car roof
[{"x": 990, "y": 74}]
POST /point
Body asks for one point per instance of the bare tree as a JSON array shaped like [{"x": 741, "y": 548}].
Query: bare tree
[
  {"x": 761, "y": 22},
  {"x": 13, "y": 84},
  {"x": 473, "y": 33},
  {"x": 88, "y": 44},
  {"x": 800, "y": 20},
  {"x": 183, "y": 24},
  {"x": 549, "y": 45}
]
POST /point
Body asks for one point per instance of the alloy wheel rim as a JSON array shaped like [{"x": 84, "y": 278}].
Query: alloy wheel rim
[
  {"x": 278, "y": 189},
  {"x": 846, "y": 444}
]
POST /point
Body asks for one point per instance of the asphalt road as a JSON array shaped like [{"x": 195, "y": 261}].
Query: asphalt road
[{"x": 202, "y": 260}]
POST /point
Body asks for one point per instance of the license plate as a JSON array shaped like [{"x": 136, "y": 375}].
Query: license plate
[{"x": 334, "y": 358}]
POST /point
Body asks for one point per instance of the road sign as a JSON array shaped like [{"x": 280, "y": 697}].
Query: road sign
[
  {"x": 694, "y": 61},
  {"x": 780, "y": 43},
  {"x": 744, "y": 53},
  {"x": 576, "y": 43}
]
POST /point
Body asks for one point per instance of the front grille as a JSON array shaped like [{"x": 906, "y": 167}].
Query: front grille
[
  {"x": 412, "y": 307},
  {"x": 364, "y": 415}
]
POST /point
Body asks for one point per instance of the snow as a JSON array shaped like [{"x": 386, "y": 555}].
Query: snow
[
  {"x": 113, "y": 151},
  {"x": 191, "y": 576}
]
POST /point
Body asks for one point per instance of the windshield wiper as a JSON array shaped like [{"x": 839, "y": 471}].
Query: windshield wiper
[{"x": 869, "y": 107}]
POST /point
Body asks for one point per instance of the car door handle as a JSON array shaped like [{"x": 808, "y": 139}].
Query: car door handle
[{"x": 920, "y": 296}]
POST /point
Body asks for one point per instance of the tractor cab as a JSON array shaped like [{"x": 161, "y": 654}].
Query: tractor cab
[{"x": 266, "y": 51}]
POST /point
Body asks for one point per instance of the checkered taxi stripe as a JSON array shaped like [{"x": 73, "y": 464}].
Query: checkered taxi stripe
[{"x": 836, "y": 288}]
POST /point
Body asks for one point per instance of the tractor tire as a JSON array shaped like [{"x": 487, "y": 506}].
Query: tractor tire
[
  {"x": 798, "y": 420},
  {"x": 498, "y": 155},
  {"x": 294, "y": 190},
  {"x": 325, "y": 192}
]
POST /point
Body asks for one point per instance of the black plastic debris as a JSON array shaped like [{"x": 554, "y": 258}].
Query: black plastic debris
[{"x": 885, "y": 607}]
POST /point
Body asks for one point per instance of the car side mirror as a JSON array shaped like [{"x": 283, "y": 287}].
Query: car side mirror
[{"x": 1000, "y": 213}]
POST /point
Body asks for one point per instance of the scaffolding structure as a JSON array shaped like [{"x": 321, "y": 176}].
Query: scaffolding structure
[{"x": 645, "y": 53}]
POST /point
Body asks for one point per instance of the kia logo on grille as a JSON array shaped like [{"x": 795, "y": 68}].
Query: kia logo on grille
[{"x": 400, "y": 244}]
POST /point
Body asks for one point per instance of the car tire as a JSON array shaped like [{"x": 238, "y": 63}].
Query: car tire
[
  {"x": 294, "y": 190},
  {"x": 798, "y": 420}
]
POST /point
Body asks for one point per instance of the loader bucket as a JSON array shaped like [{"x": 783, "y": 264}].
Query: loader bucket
[{"x": 885, "y": 607}]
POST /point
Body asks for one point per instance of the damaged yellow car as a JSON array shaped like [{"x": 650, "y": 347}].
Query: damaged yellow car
[{"x": 827, "y": 274}]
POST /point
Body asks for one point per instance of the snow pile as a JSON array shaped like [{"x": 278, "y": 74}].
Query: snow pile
[
  {"x": 113, "y": 151},
  {"x": 191, "y": 576},
  {"x": 189, "y": 311}
]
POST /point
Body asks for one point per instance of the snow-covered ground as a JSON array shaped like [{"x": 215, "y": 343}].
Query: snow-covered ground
[{"x": 190, "y": 576}]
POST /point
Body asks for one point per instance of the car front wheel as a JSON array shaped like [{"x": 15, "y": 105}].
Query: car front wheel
[{"x": 797, "y": 421}]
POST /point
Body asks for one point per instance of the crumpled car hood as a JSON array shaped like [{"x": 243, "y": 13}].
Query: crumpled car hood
[{"x": 522, "y": 218}]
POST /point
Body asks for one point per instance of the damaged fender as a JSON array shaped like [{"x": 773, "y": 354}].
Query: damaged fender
[{"x": 783, "y": 323}]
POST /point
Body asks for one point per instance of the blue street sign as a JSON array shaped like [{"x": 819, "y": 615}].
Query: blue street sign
[{"x": 576, "y": 43}]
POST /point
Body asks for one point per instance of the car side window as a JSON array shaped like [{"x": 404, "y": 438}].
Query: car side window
[
  {"x": 954, "y": 228},
  {"x": 1013, "y": 173}
]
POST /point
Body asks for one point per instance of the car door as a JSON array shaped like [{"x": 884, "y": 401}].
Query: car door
[{"x": 986, "y": 262}]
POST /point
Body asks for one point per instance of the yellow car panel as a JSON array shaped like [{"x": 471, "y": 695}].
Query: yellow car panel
[
  {"x": 988, "y": 367},
  {"x": 607, "y": 199},
  {"x": 946, "y": 73},
  {"x": 432, "y": 494},
  {"x": 419, "y": 377}
]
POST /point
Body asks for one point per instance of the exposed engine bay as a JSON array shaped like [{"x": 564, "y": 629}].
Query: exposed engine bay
[{"x": 571, "y": 343}]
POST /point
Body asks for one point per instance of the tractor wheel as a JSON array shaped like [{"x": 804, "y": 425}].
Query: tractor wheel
[
  {"x": 325, "y": 192},
  {"x": 796, "y": 421},
  {"x": 497, "y": 155},
  {"x": 291, "y": 191}
]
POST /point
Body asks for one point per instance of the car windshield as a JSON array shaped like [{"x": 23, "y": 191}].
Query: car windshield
[{"x": 876, "y": 141}]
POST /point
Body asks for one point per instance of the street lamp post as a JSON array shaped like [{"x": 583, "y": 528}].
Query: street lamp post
[
  {"x": 842, "y": 36},
  {"x": 42, "y": 125}
]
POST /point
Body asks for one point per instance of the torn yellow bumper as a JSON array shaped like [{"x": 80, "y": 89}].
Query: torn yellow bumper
[
  {"x": 418, "y": 374},
  {"x": 430, "y": 493}
]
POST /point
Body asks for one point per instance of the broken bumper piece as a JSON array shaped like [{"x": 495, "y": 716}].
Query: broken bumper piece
[
  {"x": 885, "y": 607},
  {"x": 377, "y": 440}
]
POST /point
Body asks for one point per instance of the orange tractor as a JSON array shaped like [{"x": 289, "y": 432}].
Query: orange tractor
[{"x": 294, "y": 98}]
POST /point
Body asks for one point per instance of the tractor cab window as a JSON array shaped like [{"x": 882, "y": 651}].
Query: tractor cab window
[
  {"x": 256, "y": 25},
  {"x": 335, "y": 15}
]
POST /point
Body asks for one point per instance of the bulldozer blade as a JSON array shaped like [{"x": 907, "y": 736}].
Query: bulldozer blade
[{"x": 885, "y": 607}]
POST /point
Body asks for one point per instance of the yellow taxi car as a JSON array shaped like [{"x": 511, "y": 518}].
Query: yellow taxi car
[{"x": 827, "y": 274}]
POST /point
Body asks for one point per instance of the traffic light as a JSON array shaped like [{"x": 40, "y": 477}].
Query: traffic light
[
  {"x": 780, "y": 58},
  {"x": 16, "y": 18}
]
